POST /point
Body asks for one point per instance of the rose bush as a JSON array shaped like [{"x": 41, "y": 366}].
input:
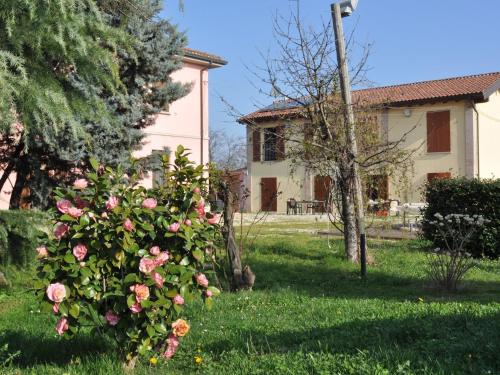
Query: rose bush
[{"x": 125, "y": 260}]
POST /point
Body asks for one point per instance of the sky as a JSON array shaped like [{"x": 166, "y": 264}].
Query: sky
[{"x": 412, "y": 40}]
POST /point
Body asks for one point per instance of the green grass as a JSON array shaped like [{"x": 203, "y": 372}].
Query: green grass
[{"x": 309, "y": 313}]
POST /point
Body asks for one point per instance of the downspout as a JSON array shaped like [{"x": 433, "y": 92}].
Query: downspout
[
  {"x": 202, "y": 107},
  {"x": 477, "y": 137}
]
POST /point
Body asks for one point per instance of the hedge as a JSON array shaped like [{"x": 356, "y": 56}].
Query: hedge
[
  {"x": 20, "y": 233},
  {"x": 466, "y": 196}
]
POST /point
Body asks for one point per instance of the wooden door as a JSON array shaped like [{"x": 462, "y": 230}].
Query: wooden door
[
  {"x": 269, "y": 194},
  {"x": 322, "y": 186}
]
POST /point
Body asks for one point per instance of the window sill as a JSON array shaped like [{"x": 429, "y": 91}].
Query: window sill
[{"x": 438, "y": 153}]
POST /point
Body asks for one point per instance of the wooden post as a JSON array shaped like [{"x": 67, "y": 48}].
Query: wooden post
[{"x": 345, "y": 86}]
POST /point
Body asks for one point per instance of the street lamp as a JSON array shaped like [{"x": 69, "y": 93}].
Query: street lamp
[
  {"x": 347, "y": 7},
  {"x": 339, "y": 10}
]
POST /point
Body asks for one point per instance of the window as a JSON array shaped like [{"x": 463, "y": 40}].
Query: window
[
  {"x": 156, "y": 165},
  {"x": 438, "y": 131},
  {"x": 274, "y": 144},
  {"x": 270, "y": 144},
  {"x": 437, "y": 176}
]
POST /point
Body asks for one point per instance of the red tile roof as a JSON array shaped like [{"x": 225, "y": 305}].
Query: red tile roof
[
  {"x": 478, "y": 87},
  {"x": 203, "y": 56}
]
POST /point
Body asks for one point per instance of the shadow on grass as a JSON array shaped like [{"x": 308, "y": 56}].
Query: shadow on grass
[
  {"x": 454, "y": 343},
  {"x": 51, "y": 350},
  {"x": 322, "y": 278}
]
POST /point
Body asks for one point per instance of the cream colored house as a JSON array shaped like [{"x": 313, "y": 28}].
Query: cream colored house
[{"x": 457, "y": 133}]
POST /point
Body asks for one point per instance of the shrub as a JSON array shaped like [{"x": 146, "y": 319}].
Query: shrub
[
  {"x": 448, "y": 265},
  {"x": 20, "y": 233},
  {"x": 467, "y": 197},
  {"x": 124, "y": 259}
]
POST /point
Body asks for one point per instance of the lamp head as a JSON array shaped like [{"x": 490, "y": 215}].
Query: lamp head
[{"x": 347, "y": 7}]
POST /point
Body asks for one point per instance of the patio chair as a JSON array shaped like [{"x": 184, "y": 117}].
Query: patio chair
[{"x": 293, "y": 206}]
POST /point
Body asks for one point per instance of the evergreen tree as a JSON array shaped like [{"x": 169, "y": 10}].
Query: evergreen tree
[{"x": 146, "y": 60}]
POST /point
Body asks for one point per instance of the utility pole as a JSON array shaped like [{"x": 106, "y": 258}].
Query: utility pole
[{"x": 345, "y": 86}]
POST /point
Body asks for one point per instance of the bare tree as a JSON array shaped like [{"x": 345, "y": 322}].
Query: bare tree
[
  {"x": 304, "y": 77},
  {"x": 227, "y": 151}
]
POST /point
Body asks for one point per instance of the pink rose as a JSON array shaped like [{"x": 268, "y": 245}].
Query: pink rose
[
  {"x": 79, "y": 251},
  {"x": 61, "y": 230},
  {"x": 162, "y": 258},
  {"x": 155, "y": 250},
  {"x": 81, "y": 203},
  {"x": 172, "y": 345},
  {"x": 80, "y": 184},
  {"x": 141, "y": 292},
  {"x": 63, "y": 205},
  {"x": 146, "y": 265},
  {"x": 62, "y": 326},
  {"x": 197, "y": 190},
  {"x": 112, "y": 318},
  {"x": 157, "y": 279},
  {"x": 56, "y": 292},
  {"x": 149, "y": 203},
  {"x": 208, "y": 293},
  {"x": 55, "y": 308},
  {"x": 178, "y": 300},
  {"x": 214, "y": 219},
  {"x": 136, "y": 308},
  {"x": 111, "y": 203},
  {"x": 41, "y": 252},
  {"x": 187, "y": 222},
  {"x": 75, "y": 212},
  {"x": 128, "y": 225},
  {"x": 174, "y": 227},
  {"x": 200, "y": 209},
  {"x": 202, "y": 280}
]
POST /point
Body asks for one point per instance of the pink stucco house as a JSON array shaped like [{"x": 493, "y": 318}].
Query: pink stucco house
[{"x": 184, "y": 122}]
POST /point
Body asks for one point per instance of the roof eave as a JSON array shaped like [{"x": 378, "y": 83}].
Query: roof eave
[{"x": 491, "y": 90}]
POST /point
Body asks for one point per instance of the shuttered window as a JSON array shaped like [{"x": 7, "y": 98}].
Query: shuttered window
[
  {"x": 256, "y": 144},
  {"x": 440, "y": 175},
  {"x": 438, "y": 131}
]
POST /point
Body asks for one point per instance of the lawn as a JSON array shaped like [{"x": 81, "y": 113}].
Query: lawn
[{"x": 309, "y": 313}]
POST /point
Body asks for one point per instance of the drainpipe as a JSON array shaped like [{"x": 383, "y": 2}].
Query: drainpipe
[
  {"x": 202, "y": 107},
  {"x": 477, "y": 137}
]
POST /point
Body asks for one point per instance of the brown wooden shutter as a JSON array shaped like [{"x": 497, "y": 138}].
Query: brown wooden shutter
[
  {"x": 438, "y": 131},
  {"x": 256, "y": 144},
  {"x": 269, "y": 194},
  {"x": 280, "y": 143},
  {"x": 440, "y": 175}
]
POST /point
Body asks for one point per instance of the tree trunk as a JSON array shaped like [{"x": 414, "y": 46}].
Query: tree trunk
[
  {"x": 20, "y": 193},
  {"x": 10, "y": 166},
  {"x": 350, "y": 228},
  {"x": 233, "y": 251}
]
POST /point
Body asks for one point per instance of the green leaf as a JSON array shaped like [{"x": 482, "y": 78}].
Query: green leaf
[
  {"x": 131, "y": 300},
  {"x": 198, "y": 255},
  {"x": 171, "y": 293},
  {"x": 95, "y": 164},
  {"x": 214, "y": 290},
  {"x": 74, "y": 310},
  {"x": 69, "y": 258},
  {"x": 185, "y": 261},
  {"x": 130, "y": 278},
  {"x": 208, "y": 303},
  {"x": 84, "y": 220},
  {"x": 151, "y": 331}
]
